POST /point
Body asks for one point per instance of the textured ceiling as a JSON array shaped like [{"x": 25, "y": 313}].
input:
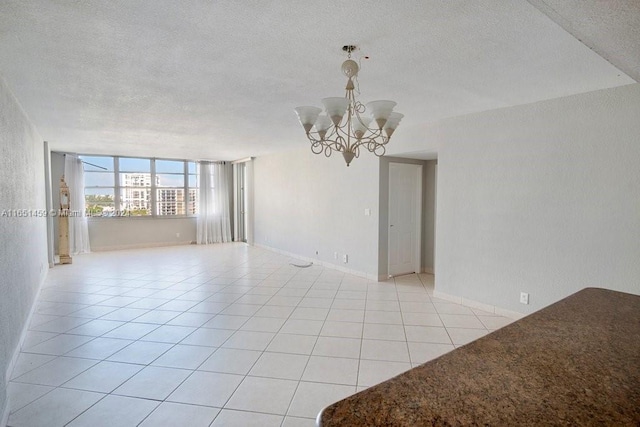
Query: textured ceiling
[
  {"x": 219, "y": 80},
  {"x": 611, "y": 28}
]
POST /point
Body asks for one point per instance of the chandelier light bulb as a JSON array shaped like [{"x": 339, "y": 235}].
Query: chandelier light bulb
[{"x": 345, "y": 126}]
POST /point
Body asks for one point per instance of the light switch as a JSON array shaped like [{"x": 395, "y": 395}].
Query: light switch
[{"x": 367, "y": 212}]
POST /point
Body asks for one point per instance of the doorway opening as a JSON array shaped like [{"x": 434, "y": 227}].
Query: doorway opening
[
  {"x": 405, "y": 213},
  {"x": 407, "y": 216}
]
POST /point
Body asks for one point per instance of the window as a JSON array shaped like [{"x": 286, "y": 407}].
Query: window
[
  {"x": 192, "y": 185},
  {"x": 127, "y": 186},
  {"x": 99, "y": 190},
  {"x": 135, "y": 186},
  {"x": 170, "y": 195}
]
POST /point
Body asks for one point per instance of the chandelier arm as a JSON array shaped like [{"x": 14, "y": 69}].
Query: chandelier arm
[
  {"x": 366, "y": 142},
  {"x": 355, "y": 148},
  {"x": 372, "y": 146},
  {"x": 332, "y": 144},
  {"x": 375, "y": 133},
  {"x": 316, "y": 147},
  {"x": 330, "y": 138},
  {"x": 343, "y": 129},
  {"x": 334, "y": 132},
  {"x": 380, "y": 150},
  {"x": 375, "y": 148},
  {"x": 359, "y": 107}
]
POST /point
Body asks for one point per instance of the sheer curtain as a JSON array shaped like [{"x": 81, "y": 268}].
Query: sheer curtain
[
  {"x": 214, "y": 221},
  {"x": 78, "y": 226},
  {"x": 248, "y": 185}
]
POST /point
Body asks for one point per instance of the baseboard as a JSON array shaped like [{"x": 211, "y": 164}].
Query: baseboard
[
  {"x": 139, "y": 246},
  {"x": 447, "y": 297},
  {"x": 427, "y": 270},
  {"x": 508, "y": 313},
  {"x": 16, "y": 352},
  {"x": 478, "y": 305},
  {"x": 372, "y": 277}
]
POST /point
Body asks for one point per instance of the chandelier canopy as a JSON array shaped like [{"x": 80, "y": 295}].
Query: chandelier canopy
[{"x": 344, "y": 127}]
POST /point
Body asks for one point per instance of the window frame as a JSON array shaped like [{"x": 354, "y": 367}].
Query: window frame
[
  {"x": 118, "y": 188},
  {"x": 113, "y": 188}
]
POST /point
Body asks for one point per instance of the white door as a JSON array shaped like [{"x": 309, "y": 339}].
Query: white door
[{"x": 405, "y": 200}]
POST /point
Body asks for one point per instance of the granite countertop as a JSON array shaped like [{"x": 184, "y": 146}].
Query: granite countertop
[{"x": 576, "y": 362}]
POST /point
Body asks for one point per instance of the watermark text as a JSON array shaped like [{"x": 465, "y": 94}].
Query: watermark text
[{"x": 54, "y": 213}]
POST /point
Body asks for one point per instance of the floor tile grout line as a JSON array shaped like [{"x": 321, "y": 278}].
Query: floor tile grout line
[
  {"x": 308, "y": 357},
  {"x": 12, "y": 410},
  {"x": 404, "y": 329},
  {"x": 364, "y": 318}
]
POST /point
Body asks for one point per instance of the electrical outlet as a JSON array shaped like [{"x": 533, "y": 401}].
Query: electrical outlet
[
  {"x": 335, "y": 255},
  {"x": 524, "y": 298},
  {"x": 345, "y": 258},
  {"x": 177, "y": 234},
  {"x": 367, "y": 212}
]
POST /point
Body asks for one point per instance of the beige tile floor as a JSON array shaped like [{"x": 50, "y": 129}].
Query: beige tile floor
[{"x": 220, "y": 335}]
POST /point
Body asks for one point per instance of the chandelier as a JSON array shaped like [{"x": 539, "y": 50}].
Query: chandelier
[{"x": 344, "y": 127}]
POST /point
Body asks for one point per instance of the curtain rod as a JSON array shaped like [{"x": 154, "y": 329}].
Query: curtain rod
[
  {"x": 217, "y": 162},
  {"x": 86, "y": 163},
  {"x": 245, "y": 160},
  {"x": 222, "y": 162}
]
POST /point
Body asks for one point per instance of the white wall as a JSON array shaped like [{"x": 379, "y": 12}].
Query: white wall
[
  {"x": 23, "y": 252},
  {"x": 541, "y": 198},
  {"x": 429, "y": 215},
  {"x": 127, "y": 233},
  {"x": 306, "y": 203}
]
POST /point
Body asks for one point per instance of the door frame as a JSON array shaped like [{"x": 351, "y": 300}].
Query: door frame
[{"x": 417, "y": 260}]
